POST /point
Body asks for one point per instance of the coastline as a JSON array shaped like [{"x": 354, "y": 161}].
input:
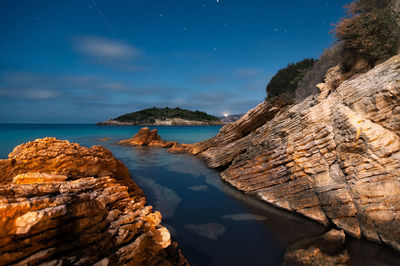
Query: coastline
[{"x": 167, "y": 122}]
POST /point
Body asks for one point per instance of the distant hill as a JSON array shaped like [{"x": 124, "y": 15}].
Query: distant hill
[
  {"x": 164, "y": 116},
  {"x": 230, "y": 118}
]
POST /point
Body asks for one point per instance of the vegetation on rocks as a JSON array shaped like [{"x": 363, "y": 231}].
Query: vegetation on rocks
[
  {"x": 308, "y": 85},
  {"x": 150, "y": 115},
  {"x": 370, "y": 32},
  {"x": 283, "y": 85}
]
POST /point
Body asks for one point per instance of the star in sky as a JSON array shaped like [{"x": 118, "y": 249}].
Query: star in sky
[{"x": 106, "y": 60}]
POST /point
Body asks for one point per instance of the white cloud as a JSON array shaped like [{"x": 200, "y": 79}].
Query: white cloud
[
  {"x": 42, "y": 94},
  {"x": 112, "y": 49}
]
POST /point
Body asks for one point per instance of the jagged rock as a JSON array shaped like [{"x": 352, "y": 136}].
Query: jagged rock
[
  {"x": 335, "y": 160},
  {"x": 61, "y": 203},
  {"x": 180, "y": 148},
  {"x": 327, "y": 249},
  {"x": 333, "y": 77},
  {"x": 145, "y": 136}
]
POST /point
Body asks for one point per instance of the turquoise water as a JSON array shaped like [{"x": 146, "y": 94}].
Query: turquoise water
[{"x": 213, "y": 223}]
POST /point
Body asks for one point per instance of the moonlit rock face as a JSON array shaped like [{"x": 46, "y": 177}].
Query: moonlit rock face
[
  {"x": 57, "y": 194},
  {"x": 333, "y": 158}
]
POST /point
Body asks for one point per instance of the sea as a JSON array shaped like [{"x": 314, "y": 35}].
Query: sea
[{"x": 214, "y": 223}]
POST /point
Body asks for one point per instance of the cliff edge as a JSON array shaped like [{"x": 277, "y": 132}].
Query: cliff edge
[{"x": 334, "y": 157}]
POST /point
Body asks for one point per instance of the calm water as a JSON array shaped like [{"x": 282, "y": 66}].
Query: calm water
[{"x": 213, "y": 223}]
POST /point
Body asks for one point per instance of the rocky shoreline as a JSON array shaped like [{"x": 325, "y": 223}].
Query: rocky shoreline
[
  {"x": 147, "y": 137},
  {"x": 62, "y": 203},
  {"x": 334, "y": 157}
]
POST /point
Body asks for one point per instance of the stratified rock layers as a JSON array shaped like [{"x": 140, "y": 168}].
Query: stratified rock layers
[
  {"x": 61, "y": 203},
  {"x": 333, "y": 158}
]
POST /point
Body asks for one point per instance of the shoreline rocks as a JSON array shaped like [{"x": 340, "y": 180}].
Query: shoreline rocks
[
  {"x": 327, "y": 249},
  {"x": 147, "y": 137},
  {"x": 334, "y": 158},
  {"x": 61, "y": 203}
]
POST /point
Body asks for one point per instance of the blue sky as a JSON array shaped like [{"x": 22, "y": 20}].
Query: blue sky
[{"x": 86, "y": 61}]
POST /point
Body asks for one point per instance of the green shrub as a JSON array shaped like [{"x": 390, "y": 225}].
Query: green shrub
[
  {"x": 330, "y": 58},
  {"x": 151, "y": 114},
  {"x": 286, "y": 80},
  {"x": 370, "y": 32}
]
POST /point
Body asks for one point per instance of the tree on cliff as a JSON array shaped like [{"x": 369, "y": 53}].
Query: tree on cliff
[
  {"x": 370, "y": 32},
  {"x": 283, "y": 85}
]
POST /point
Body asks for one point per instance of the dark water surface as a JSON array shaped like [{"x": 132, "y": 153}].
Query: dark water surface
[{"x": 213, "y": 223}]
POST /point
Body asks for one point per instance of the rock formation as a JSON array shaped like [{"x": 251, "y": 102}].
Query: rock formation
[
  {"x": 327, "y": 249},
  {"x": 61, "y": 203},
  {"x": 147, "y": 137},
  {"x": 334, "y": 158}
]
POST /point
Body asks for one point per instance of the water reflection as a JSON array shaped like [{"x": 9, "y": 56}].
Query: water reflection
[
  {"x": 209, "y": 230},
  {"x": 244, "y": 217},
  {"x": 165, "y": 199},
  {"x": 216, "y": 224},
  {"x": 198, "y": 188}
]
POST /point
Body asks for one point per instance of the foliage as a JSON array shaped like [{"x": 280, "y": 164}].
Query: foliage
[
  {"x": 330, "y": 58},
  {"x": 151, "y": 114},
  {"x": 370, "y": 32},
  {"x": 285, "y": 81},
  {"x": 281, "y": 100}
]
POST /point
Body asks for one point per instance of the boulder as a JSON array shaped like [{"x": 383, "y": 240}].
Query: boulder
[
  {"x": 327, "y": 249},
  {"x": 147, "y": 137},
  {"x": 61, "y": 203}
]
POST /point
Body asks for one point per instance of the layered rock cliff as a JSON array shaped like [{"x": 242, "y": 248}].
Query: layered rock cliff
[
  {"x": 334, "y": 157},
  {"x": 61, "y": 203}
]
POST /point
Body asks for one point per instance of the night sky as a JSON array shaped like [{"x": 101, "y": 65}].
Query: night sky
[{"x": 90, "y": 60}]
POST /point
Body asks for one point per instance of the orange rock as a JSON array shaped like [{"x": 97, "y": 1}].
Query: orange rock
[
  {"x": 61, "y": 203},
  {"x": 179, "y": 148},
  {"x": 148, "y": 137},
  {"x": 327, "y": 249},
  {"x": 144, "y": 137}
]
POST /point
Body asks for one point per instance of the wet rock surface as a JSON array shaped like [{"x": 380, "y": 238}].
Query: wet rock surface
[
  {"x": 147, "y": 137},
  {"x": 327, "y": 249},
  {"x": 333, "y": 158},
  {"x": 64, "y": 204}
]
